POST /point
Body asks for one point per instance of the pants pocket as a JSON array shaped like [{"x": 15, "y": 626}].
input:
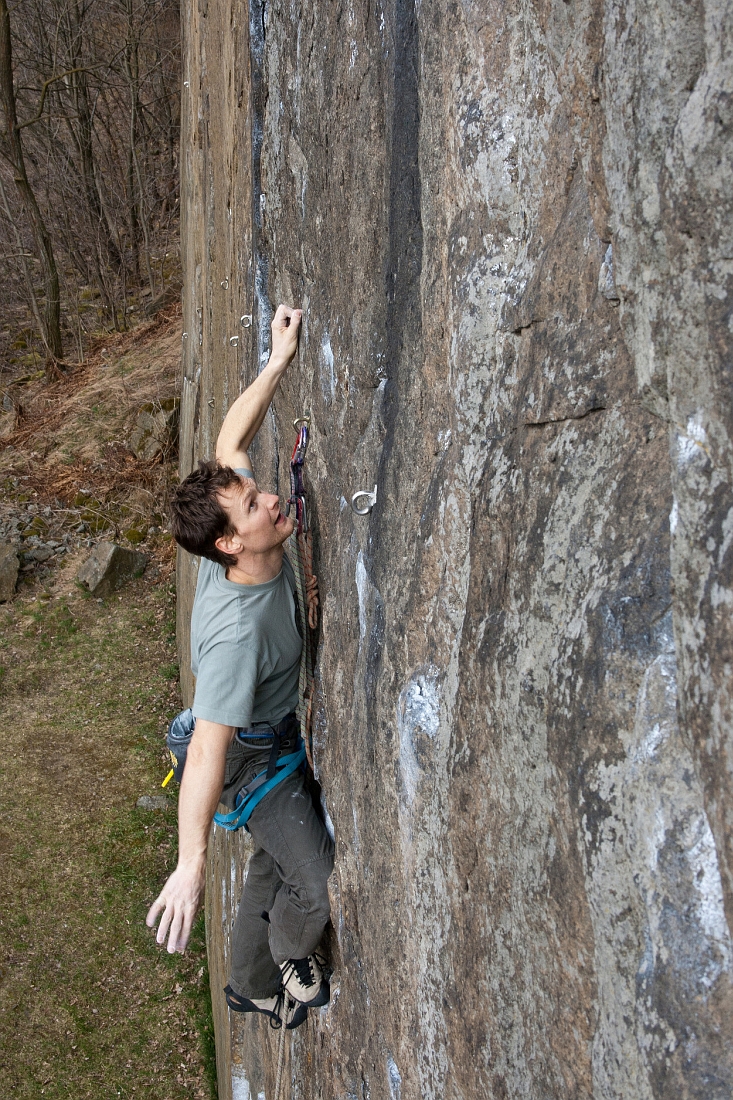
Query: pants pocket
[{"x": 243, "y": 763}]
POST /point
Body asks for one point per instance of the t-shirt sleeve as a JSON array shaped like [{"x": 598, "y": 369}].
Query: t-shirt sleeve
[
  {"x": 289, "y": 573},
  {"x": 225, "y": 686}
]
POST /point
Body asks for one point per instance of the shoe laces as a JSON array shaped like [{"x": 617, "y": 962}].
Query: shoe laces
[
  {"x": 304, "y": 970},
  {"x": 284, "y": 1009}
]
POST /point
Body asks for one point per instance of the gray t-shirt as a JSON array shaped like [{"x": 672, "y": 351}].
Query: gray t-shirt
[{"x": 245, "y": 648}]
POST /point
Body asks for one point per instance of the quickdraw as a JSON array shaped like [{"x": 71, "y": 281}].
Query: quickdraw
[
  {"x": 297, "y": 488},
  {"x": 301, "y": 559}
]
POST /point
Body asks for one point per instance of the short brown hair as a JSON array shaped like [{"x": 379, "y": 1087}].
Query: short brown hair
[{"x": 198, "y": 518}]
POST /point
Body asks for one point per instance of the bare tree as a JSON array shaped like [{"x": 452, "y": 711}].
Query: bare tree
[
  {"x": 12, "y": 150},
  {"x": 95, "y": 85}
]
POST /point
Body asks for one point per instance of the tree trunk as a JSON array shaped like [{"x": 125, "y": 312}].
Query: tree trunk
[
  {"x": 131, "y": 73},
  {"x": 23, "y": 258},
  {"x": 82, "y": 135},
  {"x": 51, "y": 333}
]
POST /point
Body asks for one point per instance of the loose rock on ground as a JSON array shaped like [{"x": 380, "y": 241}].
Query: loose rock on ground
[{"x": 108, "y": 567}]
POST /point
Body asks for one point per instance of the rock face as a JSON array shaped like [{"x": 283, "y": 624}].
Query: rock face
[
  {"x": 9, "y": 566},
  {"x": 109, "y": 566},
  {"x": 509, "y": 226}
]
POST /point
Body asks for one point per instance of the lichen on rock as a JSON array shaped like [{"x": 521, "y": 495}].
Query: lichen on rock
[{"x": 9, "y": 566}]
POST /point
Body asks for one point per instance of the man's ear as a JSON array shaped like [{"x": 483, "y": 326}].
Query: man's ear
[{"x": 229, "y": 544}]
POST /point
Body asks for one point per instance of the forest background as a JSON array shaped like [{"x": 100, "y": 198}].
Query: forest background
[{"x": 89, "y": 191}]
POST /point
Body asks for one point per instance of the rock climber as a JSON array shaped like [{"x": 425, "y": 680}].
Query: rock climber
[{"x": 245, "y": 655}]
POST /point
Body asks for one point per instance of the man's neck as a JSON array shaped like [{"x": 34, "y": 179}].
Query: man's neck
[{"x": 256, "y": 568}]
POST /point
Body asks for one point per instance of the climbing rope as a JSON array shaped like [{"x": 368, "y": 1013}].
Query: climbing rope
[
  {"x": 306, "y": 586},
  {"x": 306, "y": 583},
  {"x": 288, "y": 1005}
]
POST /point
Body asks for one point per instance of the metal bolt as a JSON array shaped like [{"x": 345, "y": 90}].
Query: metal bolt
[
  {"x": 225, "y": 283},
  {"x": 369, "y": 498},
  {"x": 234, "y": 340},
  {"x": 245, "y": 320},
  {"x": 185, "y": 336},
  {"x": 211, "y": 402}
]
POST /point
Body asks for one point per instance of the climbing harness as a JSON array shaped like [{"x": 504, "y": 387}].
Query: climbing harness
[
  {"x": 278, "y": 767},
  {"x": 306, "y": 584},
  {"x": 250, "y": 796}
]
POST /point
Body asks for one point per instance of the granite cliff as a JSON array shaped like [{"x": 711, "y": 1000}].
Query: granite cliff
[{"x": 509, "y": 225}]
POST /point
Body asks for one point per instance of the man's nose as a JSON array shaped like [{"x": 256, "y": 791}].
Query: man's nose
[{"x": 273, "y": 501}]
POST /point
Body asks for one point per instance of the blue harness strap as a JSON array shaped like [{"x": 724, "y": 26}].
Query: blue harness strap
[{"x": 240, "y": 815}]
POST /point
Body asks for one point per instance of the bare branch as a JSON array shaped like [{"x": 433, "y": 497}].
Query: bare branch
[{"x": 44, "y": 90}]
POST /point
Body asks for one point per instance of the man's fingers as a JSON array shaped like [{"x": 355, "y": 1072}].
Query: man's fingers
[
  {"x": 154, "y": 911},
  {"x": 180, "y": 930},
  {"x": 284, "y": 316},
  {"x": 174, "y": 925},
  {"x": 164, "y": 925},
  {"x": 175, "y": 934},
  {"x": 185, "y": 930},
  {"x": 281, "y": 320}
]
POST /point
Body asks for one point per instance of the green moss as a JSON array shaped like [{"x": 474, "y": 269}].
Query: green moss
[
  {"x": 136, "y": 535},
  {"x": 37, "y": 526},
  {"x": 96, "y": 521}
]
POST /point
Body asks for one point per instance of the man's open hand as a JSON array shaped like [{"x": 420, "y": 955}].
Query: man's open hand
[
  {"x": 285, "y": 327},
  {"x": 179, "y": 902}
]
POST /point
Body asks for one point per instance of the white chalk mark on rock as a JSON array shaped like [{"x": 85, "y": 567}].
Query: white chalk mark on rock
[
  {"x": 240, "y": 1088},
  {"x": 362, "y": 584},
  {"x": 395, "y": 1080}
]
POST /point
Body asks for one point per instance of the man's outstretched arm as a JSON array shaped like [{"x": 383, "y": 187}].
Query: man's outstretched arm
[
  {"x": 201, "y": 787},
  {"x": 245, "y": 417}
]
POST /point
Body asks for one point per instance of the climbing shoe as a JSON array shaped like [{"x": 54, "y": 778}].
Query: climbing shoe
[
  {"x": 272, "y": 1007},
  {"x": 304, "y": 981}
]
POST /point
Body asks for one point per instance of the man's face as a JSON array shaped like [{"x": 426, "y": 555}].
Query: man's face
[{"x": 260, "y": 525}]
